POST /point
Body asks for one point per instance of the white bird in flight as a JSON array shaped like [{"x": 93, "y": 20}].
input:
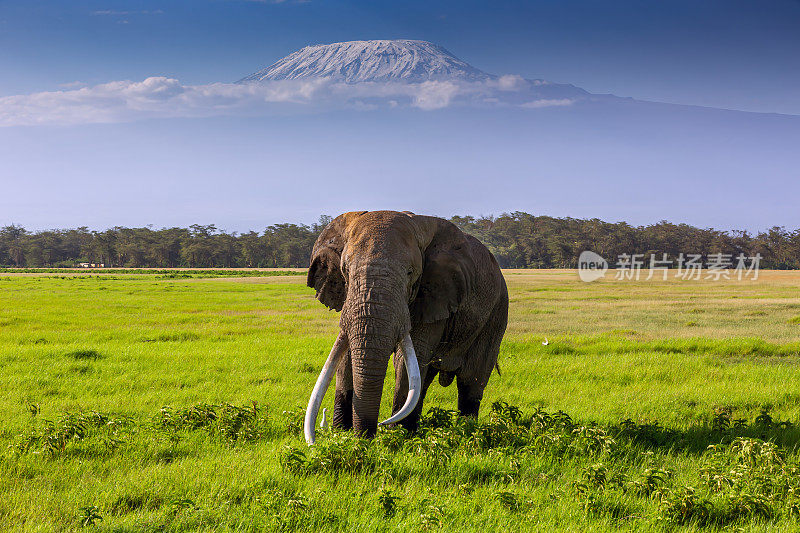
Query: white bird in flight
[{"x": 545, "y": 342}]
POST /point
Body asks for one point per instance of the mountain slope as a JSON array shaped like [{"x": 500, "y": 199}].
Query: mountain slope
[{"x": 360, "y": 61}]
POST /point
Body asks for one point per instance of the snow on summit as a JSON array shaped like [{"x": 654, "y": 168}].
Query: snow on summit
[{"x": 360, "y": 61}]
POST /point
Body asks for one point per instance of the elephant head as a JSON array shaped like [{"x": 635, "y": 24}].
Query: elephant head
[{"x": 384, "y": 271}]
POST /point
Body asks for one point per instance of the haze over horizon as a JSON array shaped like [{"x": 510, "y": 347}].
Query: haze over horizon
[{"x": 180, "y": 144}]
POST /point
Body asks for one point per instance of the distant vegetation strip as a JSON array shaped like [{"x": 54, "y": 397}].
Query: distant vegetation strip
[{"x": 518, "y": 240}]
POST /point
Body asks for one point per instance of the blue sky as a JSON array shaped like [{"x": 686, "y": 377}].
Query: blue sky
[
  {"x": 733, "y": 54},
  {"x": 244, "y": 172}
]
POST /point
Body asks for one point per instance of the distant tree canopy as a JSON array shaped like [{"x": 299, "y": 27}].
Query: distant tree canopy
[{"x": 518, "y": 240}]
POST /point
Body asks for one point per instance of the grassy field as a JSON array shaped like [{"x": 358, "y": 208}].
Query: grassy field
[{"x": 161, "y": 401}]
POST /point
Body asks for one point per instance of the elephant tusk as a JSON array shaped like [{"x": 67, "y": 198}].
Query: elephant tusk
[
  {"x": 414, "y": 381},
  {"x": 323, "y": 381}
]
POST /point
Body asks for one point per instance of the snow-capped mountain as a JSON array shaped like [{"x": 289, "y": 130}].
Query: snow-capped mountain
[
  {"x": 396, "y": 64},
  {"x": 360, "y": 61}
]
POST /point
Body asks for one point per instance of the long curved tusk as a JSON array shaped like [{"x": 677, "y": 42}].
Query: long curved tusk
[
  {"x": 323, "y": 381},
  {"x": 414, "y": 381}
]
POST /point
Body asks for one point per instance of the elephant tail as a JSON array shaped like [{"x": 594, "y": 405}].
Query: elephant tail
[{"x": 497, "y": 367}]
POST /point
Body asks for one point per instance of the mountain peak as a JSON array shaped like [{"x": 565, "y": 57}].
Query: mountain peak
[{"x": 379, "y": 60}]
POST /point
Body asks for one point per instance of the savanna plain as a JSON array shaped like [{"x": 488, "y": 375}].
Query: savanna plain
[{"x": 173, "y": 401}]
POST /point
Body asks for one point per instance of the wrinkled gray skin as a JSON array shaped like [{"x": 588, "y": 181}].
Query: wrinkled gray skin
[{"x": 390, "y": 273}]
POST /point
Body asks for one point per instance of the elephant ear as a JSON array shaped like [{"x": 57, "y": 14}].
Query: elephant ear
[
  {"x": 324, "y": 273},
  {"x": 447, "y": 276}
]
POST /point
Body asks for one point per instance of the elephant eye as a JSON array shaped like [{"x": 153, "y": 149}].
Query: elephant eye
[{"x": 410, "y": 272}]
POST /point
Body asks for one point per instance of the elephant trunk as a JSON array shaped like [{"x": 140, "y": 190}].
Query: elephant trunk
[
  {"x": 376, "y": 319},
  {"x": 371, "y": 344}
]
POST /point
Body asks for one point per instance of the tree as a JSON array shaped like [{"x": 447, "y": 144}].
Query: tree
[{"x": 517, "y": 240}]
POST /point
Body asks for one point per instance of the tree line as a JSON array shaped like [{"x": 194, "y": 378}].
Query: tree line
[{"x": 518, "y": 240}]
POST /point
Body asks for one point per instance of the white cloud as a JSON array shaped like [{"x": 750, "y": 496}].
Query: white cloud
[
  {"x": 548, "y": 102},
  {"x": 162, "y": 97},
  {"x": 123, "y": 101},
  {"x": 511, "y": 82},
  {"x": 435, "y": 95}
]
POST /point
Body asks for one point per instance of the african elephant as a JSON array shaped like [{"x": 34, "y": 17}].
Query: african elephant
[{"x": 412, "y": 285}]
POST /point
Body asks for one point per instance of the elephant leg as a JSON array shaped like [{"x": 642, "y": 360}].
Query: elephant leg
[
  {"x": 473, "y": 376},
  {"x": 343, "y": 398},
  {"x": 470, "y": 394}
]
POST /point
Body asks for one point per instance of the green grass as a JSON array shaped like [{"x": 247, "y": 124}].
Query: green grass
[{"x": 139, "y": 402}]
